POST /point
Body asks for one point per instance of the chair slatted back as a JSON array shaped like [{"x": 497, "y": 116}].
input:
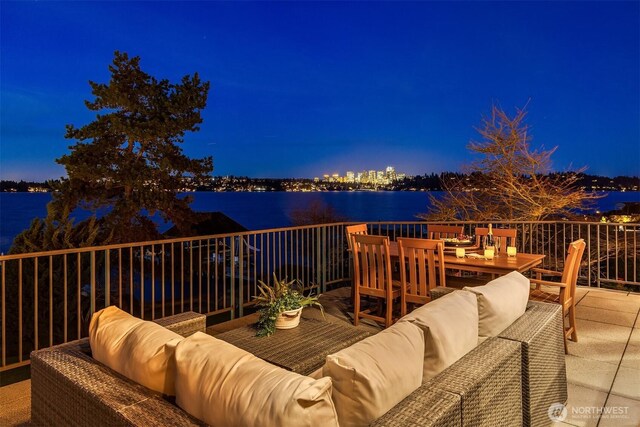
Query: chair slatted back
[
  {"x": 436, "y": 231},
  {"x": 354, "y": 229},
  {"x": 418, "y": 271},
  {"x": 372, "y": 264},
  {"x": 572, "y": 266}
]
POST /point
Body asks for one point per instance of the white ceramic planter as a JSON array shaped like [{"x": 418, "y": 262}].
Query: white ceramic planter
[{"x": 288, "y": 319}]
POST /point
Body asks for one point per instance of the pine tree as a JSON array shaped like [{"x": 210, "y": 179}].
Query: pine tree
[{"x": 128, "y": 161}]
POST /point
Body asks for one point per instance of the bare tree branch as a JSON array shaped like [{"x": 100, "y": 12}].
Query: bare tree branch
[{"x": 509, "y": 181}]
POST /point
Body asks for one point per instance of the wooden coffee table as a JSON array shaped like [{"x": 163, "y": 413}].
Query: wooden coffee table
[{"x": 302, "y": 349}]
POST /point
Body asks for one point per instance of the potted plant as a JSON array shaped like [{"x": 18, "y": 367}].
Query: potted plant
[{"x": 281, "y": 305}]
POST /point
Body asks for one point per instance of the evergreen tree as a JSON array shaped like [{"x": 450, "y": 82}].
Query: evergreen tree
[{"x": 128, "y": 161}]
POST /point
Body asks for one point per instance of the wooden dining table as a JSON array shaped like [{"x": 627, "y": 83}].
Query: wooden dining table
[{"x": 499, "y": 265}]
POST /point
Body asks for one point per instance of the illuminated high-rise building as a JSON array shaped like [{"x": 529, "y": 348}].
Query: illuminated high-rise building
[
  {"x": 391, "y": 174},
  {"x": 350, "y": 177},
  {"x": 382, "y": 177}
]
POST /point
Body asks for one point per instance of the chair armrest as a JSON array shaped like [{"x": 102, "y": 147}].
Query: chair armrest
[
  {"x": 489, "y": 373},
  {"x": 424, "y": 407},
  {"x": 547, "y": 272},
  {"x": 70, "y": 388},
  {"x": 185, "y": 324},
  {"x": 544, "y": 378},
  {"x": 548, "y": 283}
]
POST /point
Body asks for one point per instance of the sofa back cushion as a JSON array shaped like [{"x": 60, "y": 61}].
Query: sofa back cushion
[
  {"x": 450, "y": 326},
  {"x": 223, "y": 385},
  {"x": 375, "y": 374},
  {"x": 140, "y": 350},
  {"x": 501, "y": 302}
]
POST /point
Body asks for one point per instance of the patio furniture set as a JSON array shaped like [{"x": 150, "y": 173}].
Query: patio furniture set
[
  {"x": 420, "y": 265},
  {"x": 510, "y": 378},
  {"x": 482, "y": 356}
]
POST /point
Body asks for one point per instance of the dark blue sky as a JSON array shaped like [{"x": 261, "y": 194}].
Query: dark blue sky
[{"x": 302, "y": 89}]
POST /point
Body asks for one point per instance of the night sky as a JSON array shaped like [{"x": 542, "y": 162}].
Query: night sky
[{"x": 302, "y": 89}]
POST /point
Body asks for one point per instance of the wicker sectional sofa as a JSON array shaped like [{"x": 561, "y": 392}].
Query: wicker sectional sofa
[
  {"x": 507, "y": 380},
  {"x": 510, "y": 380}
]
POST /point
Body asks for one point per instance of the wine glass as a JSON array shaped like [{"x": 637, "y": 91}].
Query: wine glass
[{"x": 496, "y": 243}]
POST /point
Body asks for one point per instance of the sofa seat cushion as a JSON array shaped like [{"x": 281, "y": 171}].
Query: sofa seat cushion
[
  {"x": 501, "y": 302},
  {"x": 140, "y": 350},
  {"x": 373, "y": 375},
  {"x": 223, "y": 385},
  {"x": 450, "y": 326}
]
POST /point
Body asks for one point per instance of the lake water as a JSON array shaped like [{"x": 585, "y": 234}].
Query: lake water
[{"x": 264, "y": 210}]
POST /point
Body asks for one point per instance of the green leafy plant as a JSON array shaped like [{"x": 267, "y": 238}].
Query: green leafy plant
[{"x": 282, "y": 296}]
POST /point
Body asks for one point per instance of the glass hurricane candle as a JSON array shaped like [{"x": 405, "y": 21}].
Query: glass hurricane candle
[{"x": 489, "y": 253}]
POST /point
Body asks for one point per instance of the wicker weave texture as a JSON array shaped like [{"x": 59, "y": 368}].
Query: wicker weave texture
[
  {"x": 302, "y": 349},
  {"x": 488, "y": 379},
  {"x": 70, "y": 388},
  {"x": 426, "y": 407},
  {"x": 185, "y": 324},
  {"x": 544, "y": 377},
  {"x": 440, "y": 291}
]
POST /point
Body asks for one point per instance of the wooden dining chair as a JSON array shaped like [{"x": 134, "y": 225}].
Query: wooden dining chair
[
  {"x": 505, "y": 236},
  {"x": 567, "y": 288},
  {"x": 418, "y": 271},
  {"x": 354, "y": 229},
  {"x": 372, "y": 276},
  {"x": 360, "y": 229},
  {"x": 437, "y": 231}
]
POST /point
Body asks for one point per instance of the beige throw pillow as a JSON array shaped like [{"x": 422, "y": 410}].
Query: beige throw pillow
[
  {"x": 450, "y": 326},
  {"x": 501, "y": 302},
  {"x": 223, "y": 385},
  {"x": 140, "y": 350},
  {"x": 375, "y": 374}
]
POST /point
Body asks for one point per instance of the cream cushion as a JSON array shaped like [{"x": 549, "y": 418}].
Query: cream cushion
[
  {"x": 450, "y": 326},
  {"x": 223, "y": 385},
  {"x": 375, "y": 374},
  {"x": 501, "y": 302},
  {"x": 140, "y": 350}
]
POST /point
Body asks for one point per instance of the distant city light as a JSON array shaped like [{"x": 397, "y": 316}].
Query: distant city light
[{"x": 371, "y": 177}]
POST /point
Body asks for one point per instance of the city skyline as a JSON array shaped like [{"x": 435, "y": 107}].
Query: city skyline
[
  {"x": 366, "y": 176},
  {"x": 300, "y": 89}
]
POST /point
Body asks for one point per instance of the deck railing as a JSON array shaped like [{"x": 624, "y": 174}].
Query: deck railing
[{"x": 48, "y": 298}]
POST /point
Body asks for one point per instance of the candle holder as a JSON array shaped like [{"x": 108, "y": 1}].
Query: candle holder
[
  {"x": 489, "y": 253},
  {"x": 459, "y": 252},
  {"x": 511, "y": 251}
]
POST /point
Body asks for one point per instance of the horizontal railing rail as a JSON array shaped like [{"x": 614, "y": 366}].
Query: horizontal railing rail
[{"x": 48, "y": 297}]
